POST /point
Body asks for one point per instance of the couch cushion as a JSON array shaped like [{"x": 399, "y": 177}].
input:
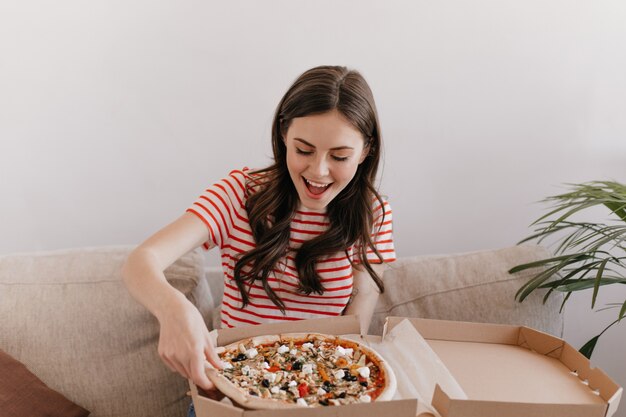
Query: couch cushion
[
  {"x": 69, "y": 318},
  {"x": 468, "y": 287}
]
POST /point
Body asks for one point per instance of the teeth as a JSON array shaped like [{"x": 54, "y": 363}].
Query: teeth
[{"x": 315, "y": 184}]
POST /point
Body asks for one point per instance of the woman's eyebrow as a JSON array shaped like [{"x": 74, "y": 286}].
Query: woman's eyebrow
[{"x": 338, "y": 148}]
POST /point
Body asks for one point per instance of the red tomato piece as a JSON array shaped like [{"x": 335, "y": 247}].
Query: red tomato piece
[{"x": 303, "y": 389}]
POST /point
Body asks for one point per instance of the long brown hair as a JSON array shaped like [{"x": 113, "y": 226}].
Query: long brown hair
[{"x": 271, "y": 209}]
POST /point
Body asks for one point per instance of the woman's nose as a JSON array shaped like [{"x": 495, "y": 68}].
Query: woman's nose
[{"x": 319, "y": 167}]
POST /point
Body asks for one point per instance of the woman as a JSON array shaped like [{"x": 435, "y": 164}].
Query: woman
[{"x": 303, "y": 238}]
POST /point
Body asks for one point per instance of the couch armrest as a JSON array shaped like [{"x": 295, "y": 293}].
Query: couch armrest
[{"x": 68, "y": 317}]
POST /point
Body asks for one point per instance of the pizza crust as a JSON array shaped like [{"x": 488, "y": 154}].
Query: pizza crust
[
  {"x": 237, "y": 395},
  {"x": 248, "y": 401}
]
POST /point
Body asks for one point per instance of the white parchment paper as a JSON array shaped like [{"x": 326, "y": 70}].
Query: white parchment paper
[{"x": 416, "y": 366}]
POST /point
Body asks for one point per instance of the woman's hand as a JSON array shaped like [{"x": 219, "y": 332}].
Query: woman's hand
[{"x": 184, "y": 343}]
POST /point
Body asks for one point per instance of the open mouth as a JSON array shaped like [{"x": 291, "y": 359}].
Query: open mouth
[{"x": 316, "y": 188}]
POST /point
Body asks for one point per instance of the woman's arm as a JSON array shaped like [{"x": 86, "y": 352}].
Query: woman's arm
[
  {"x": 365, "y": 295},
  {"x": 184, "y": 342}
]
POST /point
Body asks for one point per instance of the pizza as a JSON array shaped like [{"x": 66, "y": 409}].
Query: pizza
[{"x": 301, "y": 369}]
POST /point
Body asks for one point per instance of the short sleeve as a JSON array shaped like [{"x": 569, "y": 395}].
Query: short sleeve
[
  {"x": 382, "y": 235},
  {"x": 218, "y": 206}
]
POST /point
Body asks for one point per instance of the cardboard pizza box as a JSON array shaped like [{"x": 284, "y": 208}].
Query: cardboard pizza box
[
  {"x": 514, "y": 371},
  {"x": 342, "y": 325},
  {"x": 510, "y": 371}
]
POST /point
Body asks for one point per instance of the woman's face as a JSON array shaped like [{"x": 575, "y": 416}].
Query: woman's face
[{"x": 323, "y": 154}]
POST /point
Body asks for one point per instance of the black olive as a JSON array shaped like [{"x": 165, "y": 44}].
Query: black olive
[
  {"x": 285, "y": 387},
  {"x": 342, "y": 395},
  {"x": 329, "y": 387},
  {"x": 252, "y": 392},
  {"x": 348, "y": 377},
  {"x": 239, "y": 358},
  {"x": 364, "y": 383},
  {"x": 324, "y": 402},
  {"x": 326, "y": 383},
  {"x": 297, "y": 366},
  {"x": 265, "y": 383}
]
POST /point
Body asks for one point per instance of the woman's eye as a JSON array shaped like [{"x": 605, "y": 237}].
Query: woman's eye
[
  {"x": 300, "y": 151},
  {"x": 340, "y": 158}
]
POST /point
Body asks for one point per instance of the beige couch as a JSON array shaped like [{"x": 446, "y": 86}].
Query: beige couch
[{"x": 67, "y": 317}]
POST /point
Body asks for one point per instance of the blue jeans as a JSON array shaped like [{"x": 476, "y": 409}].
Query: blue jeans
[{"x": 192, "y": 411}]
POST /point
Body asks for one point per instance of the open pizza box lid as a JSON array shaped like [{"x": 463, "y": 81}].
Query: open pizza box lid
[
  {"x": 514, "y": 371},
  {"x": 341, "y": 325}
]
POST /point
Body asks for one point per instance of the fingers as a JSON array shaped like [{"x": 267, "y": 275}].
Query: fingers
[
  {"x": 212, "y": 357},
  {"x": 194, "y": 370},
  {"x": 185, "y": 346},
  {"x": 214, "y": 394},
  {"x": 198, "y": 375}
]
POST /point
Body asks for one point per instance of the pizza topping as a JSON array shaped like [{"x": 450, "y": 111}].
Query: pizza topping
[
  {"x": 361, "y": 361},
  {"x": 239, "y": 358},
  {"x": 339, "y": 374},
  {"x": 303, "y": 389},
  {"x": 322, "y": 371},
  {"x": 312, "y": 371},
  {"x": 274, "y": 368},
  {"x": 307, "y": 368},
  {"x": 341, "y": 362}
]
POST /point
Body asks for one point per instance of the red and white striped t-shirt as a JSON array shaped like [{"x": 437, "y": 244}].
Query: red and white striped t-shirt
[{"x": 222, "y": 208}]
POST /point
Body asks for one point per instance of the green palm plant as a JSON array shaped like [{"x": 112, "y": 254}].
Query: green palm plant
[{"x": 588, "y": 255}]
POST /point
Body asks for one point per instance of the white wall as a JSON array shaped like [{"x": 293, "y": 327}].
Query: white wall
[{"x": 115, "y": 115}]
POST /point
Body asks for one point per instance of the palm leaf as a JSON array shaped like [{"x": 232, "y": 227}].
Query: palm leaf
[
  {"x": 588, "y": 347},
  {"x": 582, "y": 284},
  {"x": 598, "y": 281},
  {"x": 617, "y": 208}
]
